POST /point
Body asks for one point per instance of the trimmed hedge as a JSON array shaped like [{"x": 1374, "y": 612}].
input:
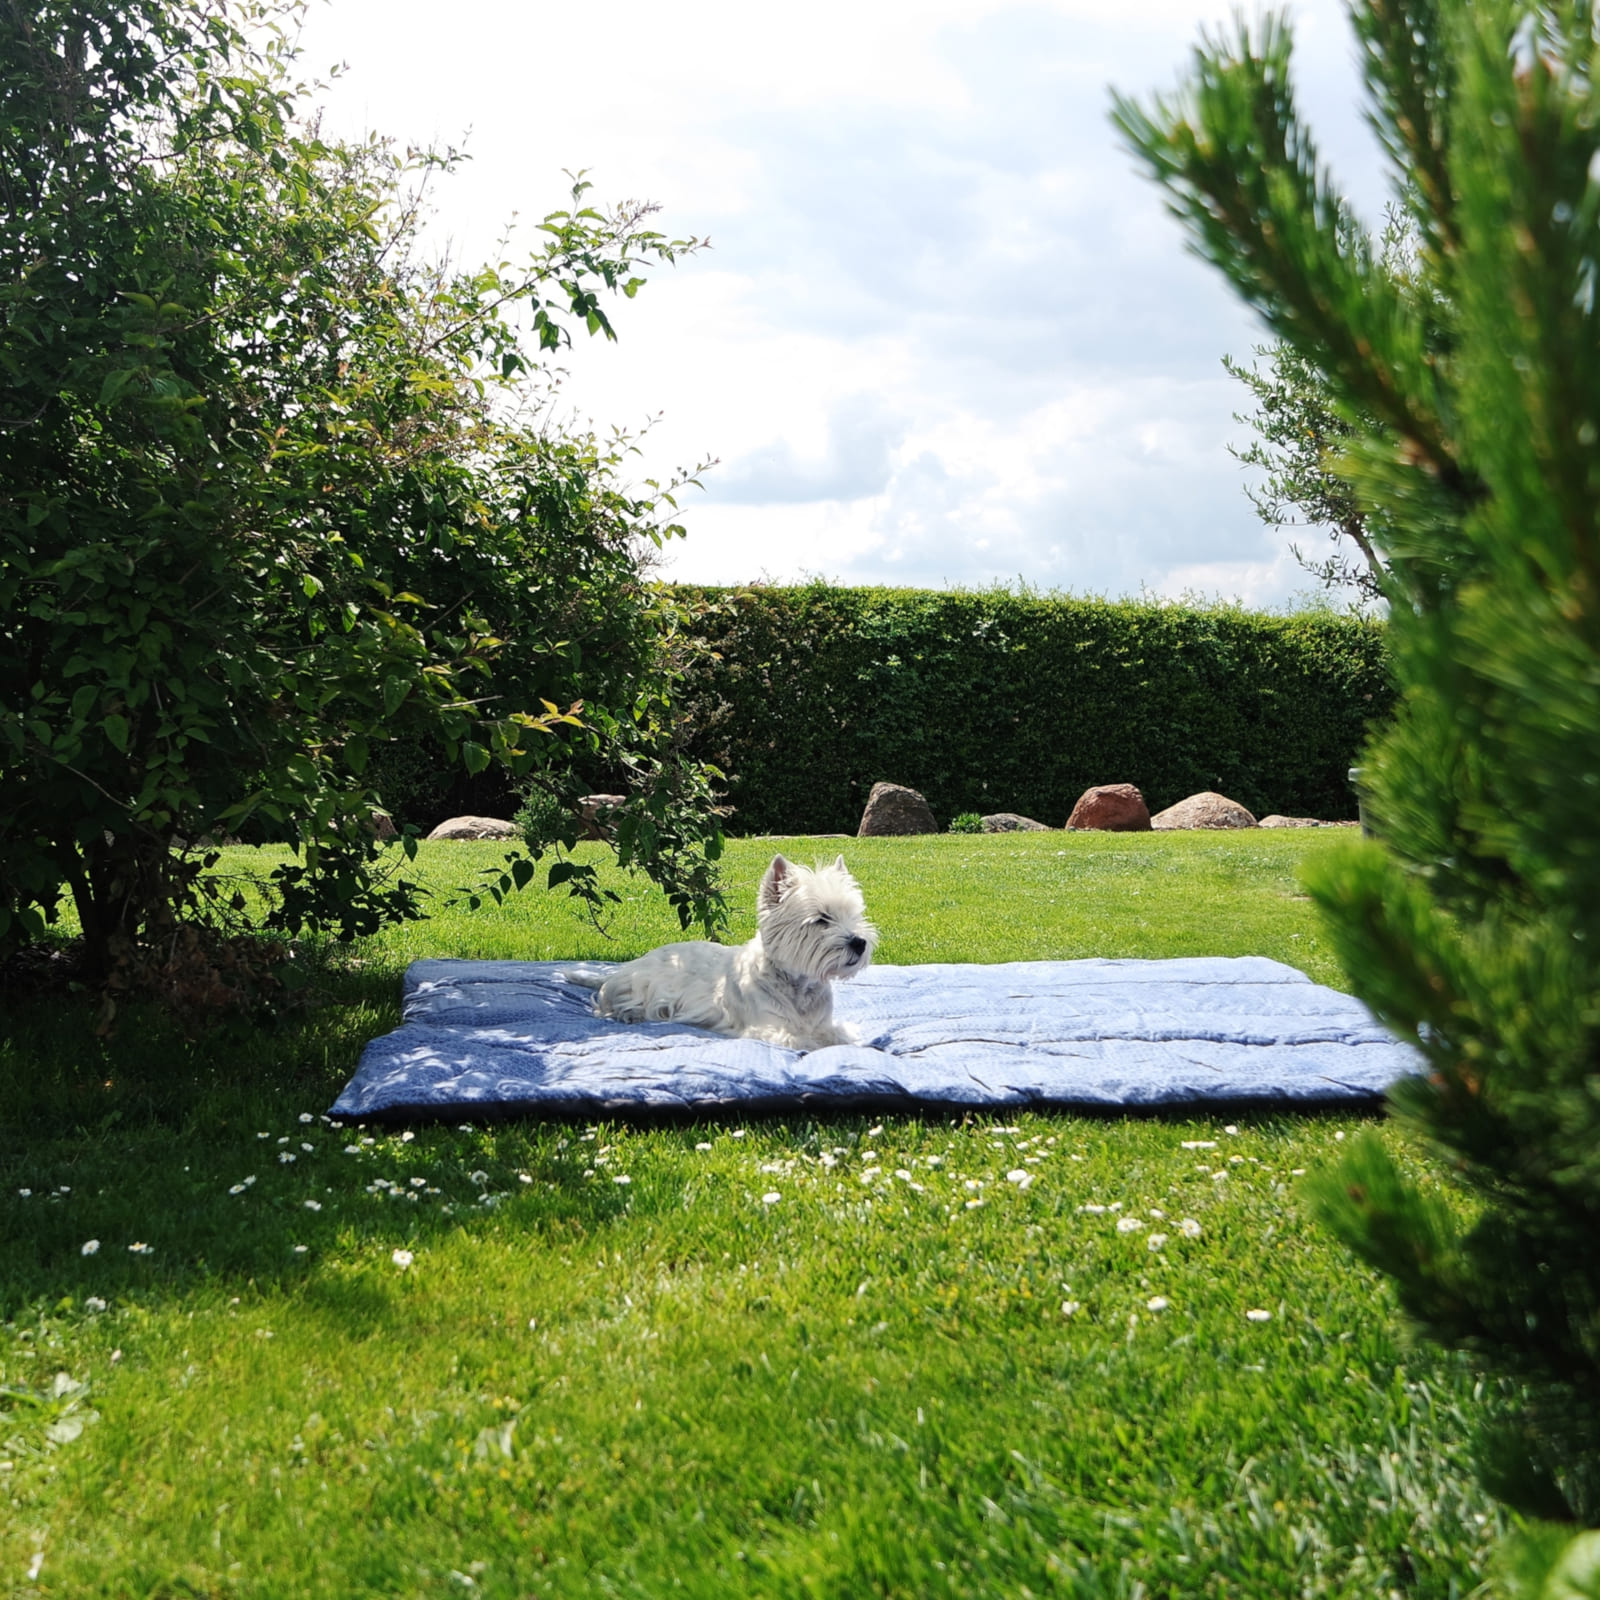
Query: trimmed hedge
[{"x": 1012, "y": 702}]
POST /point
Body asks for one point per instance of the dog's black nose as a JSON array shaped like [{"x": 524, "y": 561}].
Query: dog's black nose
[{"x": 857, "y": 945}]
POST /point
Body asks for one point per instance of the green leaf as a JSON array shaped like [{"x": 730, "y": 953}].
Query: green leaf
[
  {"x": 475, "y": 756},
  {"x": 355, "y": 753},
  {"x": 116, "y": 730}
]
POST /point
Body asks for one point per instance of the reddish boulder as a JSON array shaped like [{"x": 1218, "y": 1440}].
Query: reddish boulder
[
  {"x": 1111, "y": 808},
  {"x": 894, "y": 809},
  {"x": 1206, "y": 810}
]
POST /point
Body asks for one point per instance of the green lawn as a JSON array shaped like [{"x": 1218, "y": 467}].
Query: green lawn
[{"x": 613, "y": 1366}]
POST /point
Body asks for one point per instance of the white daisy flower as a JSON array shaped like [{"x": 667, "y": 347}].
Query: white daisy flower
[
  {"x": 89, "y": 1247},
  {"x": 1231, "y": 1128},
  {"x": 1199, "y": 1144},
  {"x": 402, "y": 1259},
  {"x": 1070, "y": 1308},
  {"x": 1189, "y": 1228},
  {"x": 622, "y": 1177},
  {"x": 1157, "y": 1302},
  {"x": 94, "y": 1303},
  {"x": 422, "y": 1183},
  {"x": 1258, "y": 1316},
  {"x": 352, "y": 1149},
  {"x": 308, "y": 1148},
  {"x": 1093, "y": 1210},
  {"x": 407, "y": 1136},
  {"x": 300, "y": 1249},
  {"x": 313, "y": 1205},
  {"x": 1019, "y": 1177},
  {"x": 1155, "y": 1241},
  {"x": 705, "y": 1144},
  {"x": 305, "y": 1116},
  {"x": 140, "y": 1248},
  {"x": 237, "y": 1188},
  {"x": 25, "y": 1193},
  {"x": 738, "y": 1133},
  {"x": 972, "y": 1205},
  {"x": 1129, "y": 1225},
  {"x": 285, "y": 1157},
  {"x": 771, "y": 1197},
  {"x": 263, "y": 1136}
]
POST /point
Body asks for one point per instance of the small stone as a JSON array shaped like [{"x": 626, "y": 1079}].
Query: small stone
[
  {"x": 476, "y": 828},
  {"x": 1012, "y": 822},
  {"x": 1205, "y": 810},
  {"x": 894, "y": 809},
  {"x": 1276, "y": 821},
  {"x": 1110, "y": 808}
]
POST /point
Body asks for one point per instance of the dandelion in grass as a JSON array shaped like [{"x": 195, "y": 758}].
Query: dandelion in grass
[
  {"x": 89, "y": 1247},
  {"x": 1157, "y": 1302},
  {"x": 1258, "y": 1315},
  {"x": 1189, "y": 1228},
  {"x": 1129, "y": 1225},
  {"x": 771, "y": 1197},
  {"x": 1155, "y": 1241},
  {"x": 313, "y": 1205},
  {"x": 402, "y": 1259}
]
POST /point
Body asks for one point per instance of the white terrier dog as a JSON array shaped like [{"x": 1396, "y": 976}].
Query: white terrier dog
[{"x": 811, "y": 929}]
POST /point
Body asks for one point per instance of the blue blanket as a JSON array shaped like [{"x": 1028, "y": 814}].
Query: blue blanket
[{"x": 506, "y": 1037}]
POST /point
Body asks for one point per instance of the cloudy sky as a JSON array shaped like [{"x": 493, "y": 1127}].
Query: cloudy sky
[{"x": 945, "y": 335}]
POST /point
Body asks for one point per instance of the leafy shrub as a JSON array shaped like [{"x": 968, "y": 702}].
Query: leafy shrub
[{"x": 966, "y": 822}]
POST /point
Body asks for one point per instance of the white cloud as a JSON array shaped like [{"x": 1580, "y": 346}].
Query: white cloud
[{"x": 946, "y": 334}]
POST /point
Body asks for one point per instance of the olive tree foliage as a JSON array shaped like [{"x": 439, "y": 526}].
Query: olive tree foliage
[
  {"x": 276, "y": 488},
  {"x": 1471, "y": 391},
  {"x": 1299, "y": 432}
]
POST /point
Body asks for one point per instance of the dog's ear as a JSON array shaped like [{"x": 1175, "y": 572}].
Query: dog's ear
[
  {"x": 774, "y": 884},
  {"x": 838, "y": 864}
]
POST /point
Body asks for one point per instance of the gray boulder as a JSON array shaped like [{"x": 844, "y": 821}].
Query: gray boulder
[
  {"x": 1205, "y": 810},
  {"x": 1012, "y": 822},
  {"x": 476, "y": 828},
  {"x": 894, "y": 809}
]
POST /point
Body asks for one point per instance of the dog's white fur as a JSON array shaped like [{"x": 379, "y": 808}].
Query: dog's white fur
[{"x": 812, "y": 928}]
